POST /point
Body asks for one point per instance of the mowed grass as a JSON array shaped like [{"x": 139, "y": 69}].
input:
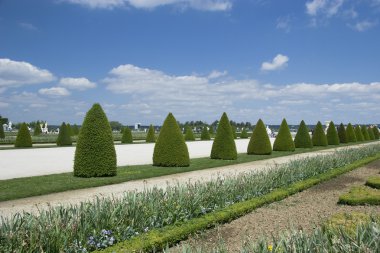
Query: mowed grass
[{"x": 11, "y": 189}]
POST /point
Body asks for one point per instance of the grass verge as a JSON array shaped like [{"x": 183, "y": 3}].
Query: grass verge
[
  {"x": 158, "y": 239},
  {"x": 373, "y": 182},
  {"x": 360, "y": 195}
]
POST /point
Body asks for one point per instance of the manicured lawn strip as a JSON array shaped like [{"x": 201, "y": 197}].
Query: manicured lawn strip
[
  {"x": 17, "y": 188},
  {"x": 373, "y": 182},
  {"x": 361, "y": 195},
  {"x": 159, "y": 238}
]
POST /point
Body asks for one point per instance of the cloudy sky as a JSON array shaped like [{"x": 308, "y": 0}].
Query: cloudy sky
[{"x": 140, "y": 59}]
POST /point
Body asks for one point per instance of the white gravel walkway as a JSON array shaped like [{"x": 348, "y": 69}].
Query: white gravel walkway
[{"x": 33, "y": 204}]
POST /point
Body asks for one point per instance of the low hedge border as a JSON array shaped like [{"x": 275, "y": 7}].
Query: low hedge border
[
  {"x": 360, "y": 195},
  {"x": 373, "y": 182},
  {"x": 158, "y": 239}
]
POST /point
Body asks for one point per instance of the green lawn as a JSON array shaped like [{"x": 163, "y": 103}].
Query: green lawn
[{"x": 39, "y": 185}]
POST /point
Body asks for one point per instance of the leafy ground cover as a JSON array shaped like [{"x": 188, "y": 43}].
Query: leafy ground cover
[{"x": 98, "y": 224}]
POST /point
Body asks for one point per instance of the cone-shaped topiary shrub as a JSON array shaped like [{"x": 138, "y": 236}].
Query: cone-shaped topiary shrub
[
  {"x": 2, "y": 134},
  {"x": 37, "y": 129},
  {"x": 211, "y": 132},
  {"x": 95, "y": 154},
  {"x": 244, "y": 134},
  {"x": 358, "y": 133},
  {"x": 75, "y": 129},
  {"x": 224, "y": 146},
  {"x": 342, "y": 133},
  {"x": 364, "y": 130},
  {"x": 351, "y": 136},
  {"x": 376, "y": 132},
  {"x": 150, "y": 137},
  {"x": 284, "y": 140},
  {"x": 332, "y": 134},
  {"x": 302, "y": 139},
  {"x": 319, "y": 137},
  {"x": 127, "y": 136},
  {"x": 205, "y": 135},
  {"x": 234, "y": 132},
  {"x": 64, "y": 136},
  {"x": 259, "y": 144},
  {"x": 170, "y": 149},
  {"x": 23, "y": 139},
  {"x": 70, "y": 129},
  {"x": 370, "y": 133},
  {"x": 189, "y": 135}
]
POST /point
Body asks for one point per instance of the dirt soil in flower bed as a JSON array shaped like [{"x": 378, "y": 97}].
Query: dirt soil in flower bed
[{"x": 304, "y": 211}]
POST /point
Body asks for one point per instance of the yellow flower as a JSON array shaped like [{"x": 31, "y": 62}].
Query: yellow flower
[{"x": 270, "y": 247}]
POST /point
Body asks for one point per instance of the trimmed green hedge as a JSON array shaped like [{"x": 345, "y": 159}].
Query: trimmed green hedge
[
  {"x": 151, "y": 136},
  {"x": 23, "y": 139},
  {"x": 259, "y": 144},
  {"x": 319, "y": 138},
  {"x": 37, "y": 129},
  {"x": 244, "y": 134},
  {"x": 127, "y": 136},
  {"x": 284, "y": 140},
  {"x": 95, "y": 154},
  {"x": 360, "y": 195},
  {"x": 234, "y": 132},
  {"x": 158, "y": 239},
  {"x": 64, "y": 136},
  {"x": 170, "y": 149},
  {"x": 205, "y": 135},
  {"x": 342, "y": 133},
  {"x": 351, "y": 136},
  {"x": 224, "y": 146},
  {"x": 189, "y": 135},
  {"x": 358, "y": 133},
  {"x": 376, "y": 132},
  {"x": 371, "y": 133},
  {"x": 365, "y": 132},
  {"x": 373, "y": 182},
  {"x": 302, "y": 139},
  {"x": 332, "y": 134}
]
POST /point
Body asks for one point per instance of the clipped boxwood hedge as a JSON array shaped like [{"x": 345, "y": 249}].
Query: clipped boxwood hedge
[
  {"x": 319, "y": 138},
  {"x": 360, "y": 195},
  {"x": 284, "y": 140},
  {"x": 205, "y": 135},
  {"x": 351, "y": 136},
  {"x": 64, "y": 136},
  {"x": 376, "y": 132},
  {"x": 358, "y": 133},
  {"x": 95, "y": 154},
  {"x": 332, "y": 135},
  {"x": 342, "y": 133},
  {"x": 371, "y": 133},
  {"x": 259, "y": 144},
  {"x": 244, "y": 134},
  {"x": 365, "y": 133},
  {"x": 127, "y": 136},
  {"x": 224, "y": 146},
  {"x": 170, "y": 149},
  {"x": 189, "y": 135},
  {"x": 37, "y": 129},
  {"x": 151, "y": 136},
  {"x": 302, "y": 139},
  {"x": 23, "y": 139}
]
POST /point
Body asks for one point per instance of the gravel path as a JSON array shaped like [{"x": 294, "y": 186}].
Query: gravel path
[
  {"x": 303, "y": 211},
  {"x": 32, "y": 204}
]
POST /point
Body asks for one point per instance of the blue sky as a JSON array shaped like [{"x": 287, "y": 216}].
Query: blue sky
[{"x": 140, "y": 59}]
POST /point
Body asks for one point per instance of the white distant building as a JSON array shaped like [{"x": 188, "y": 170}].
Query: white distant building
[
  {"x": 44, "y": 128},
  {"x": 137, "y": 126}
]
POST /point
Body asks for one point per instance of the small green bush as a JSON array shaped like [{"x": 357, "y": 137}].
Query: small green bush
[
  {"x": 189, "y": 135},
  {"x": 170, "y": 149},
  {"x": 2, "y": 134},
  {"x": 351, "y": 136},
  {"x": 284, "y": 140},
  {"x": 234, "y": 132},
  {"x": 259, "y": 144},
  {"x": 332, "y": 135},
  {"x": 205, "y": 135},
  {"x": 23, "y": 139},
  {"x": 364, "y": 130},
  {"x": 244, "y": 134},
  {"x": 319, "y": 138},
  {"x": 64, "y": 136},
  {"x": 342, "y": 133},
  {"x": 376, "y": 132},
  {"x": 302, "y": 139},
  {"x": 224, "y": 146},
  {"x": 371, "y": 134},
  {"x": 151, "y": 137},
  {"x": 211, "y": 131},
  {"x": 358, "y": 133},
  {"x": 37, "y": 129},
  {"x": 95, "y": 154},
  {"x": 127, "y": 136}
]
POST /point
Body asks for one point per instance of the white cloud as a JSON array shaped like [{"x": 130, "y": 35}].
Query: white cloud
[
  {"x": 80, "y": 83},
  {"x": 313, "y": 7},
  {"x": 3, "y": 105},
  {"x": 28, "y": 26},
  {"x": 278, "y": 62},
  {"x": 325, "y": 7},
  {"x": 216, "y": 74},
  {"x": 364, "y": 25},
  {"x": 283, "y": 23},
  {"x": 205, "y": 5},
  {"x": 18, "y": 73},
  {"x": 54, "y": 91}
]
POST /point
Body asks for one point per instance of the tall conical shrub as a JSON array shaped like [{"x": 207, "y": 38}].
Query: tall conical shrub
[
  {"x": 170, "y": 149},
  {"x": 358, "y": 133},
  {"x": 224, "y": 146},
  {"x": 284, "y": 140},
  {"x": 370, "y": 133},
  {"x": 376, "y": 132},
  {"x": 189, "y": 135},
  {"x": 127, "y": 136},
  {"x": 351, "y": 136},
  {"x": 70, "y": 129},
  {"x": 205, "y": 135},
  {"x": 75, "y": 129},
  {"x": 23, "y": 139},
  {"x": 234, "y": 132},
  {"x": 302, "y": 139},
  {"x": 244, "y": 134},
  {"x": 95, "y": 154},
  {"x": 259, "y": 144},
  {"x": 64, "y": 136},
  {"x": 150, "y": 137},
  {"x": 342, "y": 133},
  {"x": 2, "y": 134},
  {"x": 319, "y": 137},
  {"x": 332, "y": 134},
  {"x": 211, "y": 131},
  {"x": 365, "y": 133},
  {"x": 37, "y": 129}
]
